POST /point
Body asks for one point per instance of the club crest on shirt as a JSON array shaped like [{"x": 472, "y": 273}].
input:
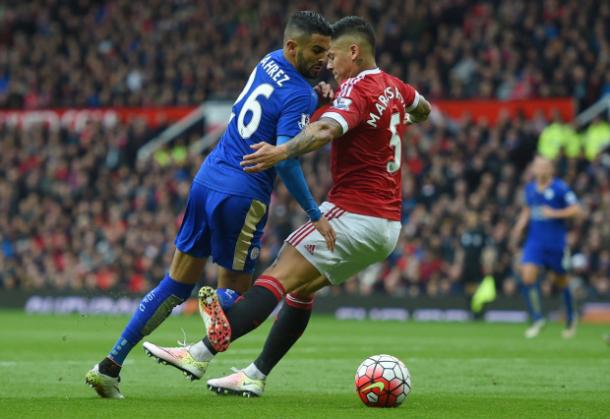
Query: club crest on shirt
[
  {"x": 549, "y": 194},
  {"x": 254, "y": 253},
  {"x": 304, "y": 121},
  {"x": 342, "y": 103}
]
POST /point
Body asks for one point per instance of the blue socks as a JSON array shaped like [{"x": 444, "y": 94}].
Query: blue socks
[
  {"x": 568, "y": 303},
  {"x": 532, "y": 298},
  {"x": 153, "y": 310},
  {"x": 227, "y": 297}
]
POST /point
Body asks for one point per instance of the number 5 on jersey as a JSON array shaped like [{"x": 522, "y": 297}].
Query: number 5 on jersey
[{"x": 394, "y": 165}]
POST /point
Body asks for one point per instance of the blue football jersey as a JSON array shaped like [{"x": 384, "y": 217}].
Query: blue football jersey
[
  {"x": 276, "y": 101},
  {"x": 545, "y": 232}
]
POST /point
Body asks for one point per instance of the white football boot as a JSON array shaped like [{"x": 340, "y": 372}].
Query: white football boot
[
  {"x": 569, "y": 332},
  {"x": 104, "y": 385},
  {"x": 237, "y": 384},
  {"x": 179, "y": 358},
  {"x": 535, "y": 329}
]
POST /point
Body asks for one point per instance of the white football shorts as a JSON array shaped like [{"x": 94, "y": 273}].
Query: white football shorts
[{"x": 361, "y": 241}]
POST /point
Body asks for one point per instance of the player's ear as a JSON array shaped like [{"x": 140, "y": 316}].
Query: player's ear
[
  {"x": 354, "y": 51},
  {"x": 291, "y": 46}
]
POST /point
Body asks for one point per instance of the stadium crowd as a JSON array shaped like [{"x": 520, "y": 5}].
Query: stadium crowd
[
  {"x": 157, "y": 52},
  {"x": 78, "y": 211}
]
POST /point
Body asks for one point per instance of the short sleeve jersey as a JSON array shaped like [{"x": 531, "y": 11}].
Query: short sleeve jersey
[
  {"x": 366, "y": 160},
  {"x": 276, "y": 101},
  {"x": 548, "y": 232}
]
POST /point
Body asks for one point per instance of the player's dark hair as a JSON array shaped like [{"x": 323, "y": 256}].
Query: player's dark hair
[
  {"x": 308, "y": 22},
  {"x": 357, "y": 26}
]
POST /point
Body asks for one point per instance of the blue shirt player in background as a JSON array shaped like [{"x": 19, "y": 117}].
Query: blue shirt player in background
[
  {"x": 549, "y": 204},
  {"x": 227, "y": 208}
]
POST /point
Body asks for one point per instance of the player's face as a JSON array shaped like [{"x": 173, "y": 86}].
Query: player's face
[
  {"x": 542, "y": 168},
  {"x": 341, "y": 60},
  {"x": 311, "y": 55}
]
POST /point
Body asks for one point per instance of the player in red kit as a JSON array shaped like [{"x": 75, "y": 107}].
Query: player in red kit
[{"x": 365, "y": 124}]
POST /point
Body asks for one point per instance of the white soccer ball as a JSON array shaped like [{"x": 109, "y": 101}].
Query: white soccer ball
[{"x": 383, "y": 381}]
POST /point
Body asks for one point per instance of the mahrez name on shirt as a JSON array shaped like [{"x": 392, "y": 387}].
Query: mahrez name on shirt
[{"x": 274, "y": 71}]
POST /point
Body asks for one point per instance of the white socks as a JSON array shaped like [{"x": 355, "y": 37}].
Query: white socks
[
  {"x": 200, "y": 352},
  {"x": 253, "y": 372}
]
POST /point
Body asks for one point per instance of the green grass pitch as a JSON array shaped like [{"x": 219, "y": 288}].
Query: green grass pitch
[{"x": 466, "y": 370}]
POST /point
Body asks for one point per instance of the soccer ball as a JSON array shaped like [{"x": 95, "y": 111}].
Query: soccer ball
[{"x": 383, "y": 381}]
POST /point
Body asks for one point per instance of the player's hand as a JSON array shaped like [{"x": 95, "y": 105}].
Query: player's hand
[
  {"x": 325, "y": 92},
  {"x": 266, "y": 155},
  {"x": 327, "y": 231},
  {"x": 548, "y": 212}
]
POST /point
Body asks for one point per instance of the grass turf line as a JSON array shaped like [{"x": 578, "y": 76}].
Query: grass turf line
[{"x": 469, "y": 370}]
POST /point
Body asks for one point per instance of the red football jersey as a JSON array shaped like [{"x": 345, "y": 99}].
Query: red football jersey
[{"x": 365, "y": 162}]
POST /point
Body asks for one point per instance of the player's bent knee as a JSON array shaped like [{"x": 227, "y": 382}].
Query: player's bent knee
[
  {"x": 185, "y": 268},
  {"x": 308, "y": 290},
  {"x": 292, "y": 269},
  {"x": 529, "y": 274}
]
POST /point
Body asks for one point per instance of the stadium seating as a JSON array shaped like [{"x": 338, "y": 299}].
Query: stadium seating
[
  {"x": 142, "y": 53},
  {"x": 77, "y": 212}
]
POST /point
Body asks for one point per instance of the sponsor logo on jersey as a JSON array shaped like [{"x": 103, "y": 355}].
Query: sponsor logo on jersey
[{"x": 342, "y": 103}]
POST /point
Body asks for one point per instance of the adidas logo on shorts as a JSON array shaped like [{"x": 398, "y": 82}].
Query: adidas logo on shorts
[{"x": 310, "y": 248}]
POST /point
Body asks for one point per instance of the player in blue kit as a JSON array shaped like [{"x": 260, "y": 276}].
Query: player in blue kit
[
  {"x": 227, "y": 208},
  {"x": 549, "y": 204}
]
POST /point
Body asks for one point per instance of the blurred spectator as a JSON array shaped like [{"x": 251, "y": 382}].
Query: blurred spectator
[
  {"x": 171, "y": 52},
  {"x": 78, "y": 212},
  {"x": 559, "y": 136},
  {"x": 472, "y": 241},
  {"x": 596, "y": 138}
]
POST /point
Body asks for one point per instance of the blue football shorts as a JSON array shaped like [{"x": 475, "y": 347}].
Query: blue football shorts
[
  {"x": 226, "y": 227},
  {"x": 554, "y": 259}
]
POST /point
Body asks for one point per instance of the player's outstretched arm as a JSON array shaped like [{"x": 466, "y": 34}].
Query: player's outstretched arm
[{"x": 313, "y": 137}]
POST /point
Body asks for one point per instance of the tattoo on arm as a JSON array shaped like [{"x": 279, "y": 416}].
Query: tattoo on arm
[{"x": 312, "y": 138}]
